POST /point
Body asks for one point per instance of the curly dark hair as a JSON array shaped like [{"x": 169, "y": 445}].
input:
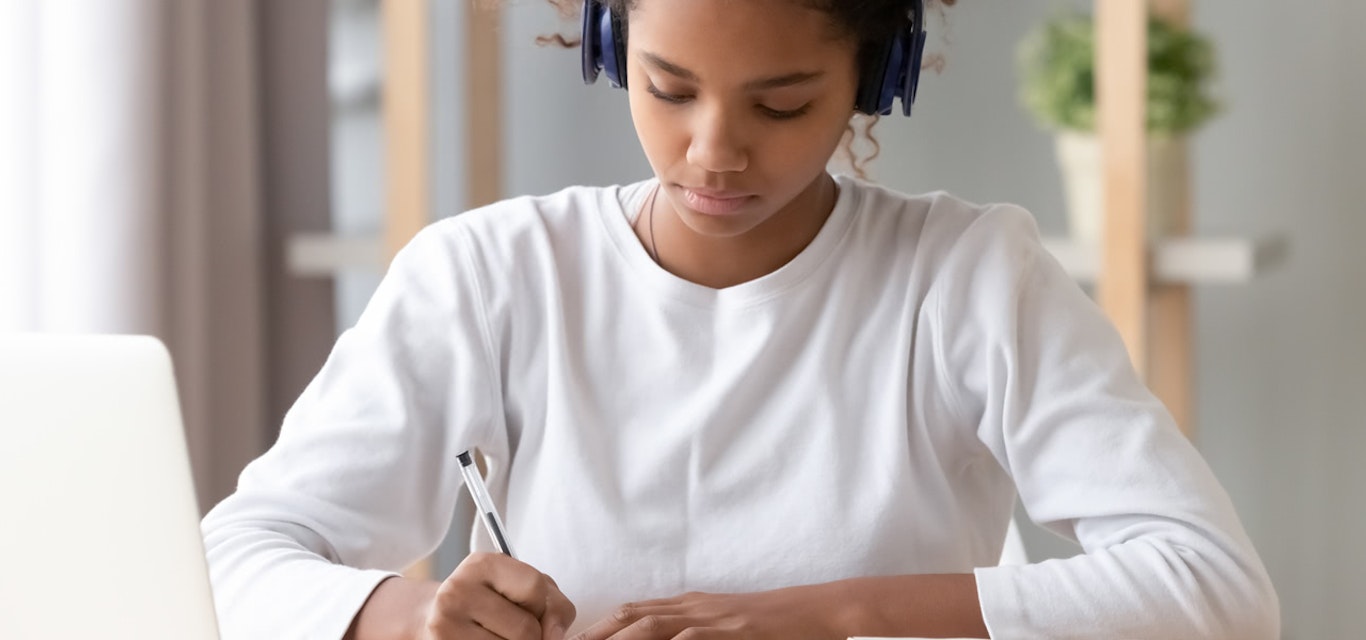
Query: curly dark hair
[{"x": 871, "y": 22}]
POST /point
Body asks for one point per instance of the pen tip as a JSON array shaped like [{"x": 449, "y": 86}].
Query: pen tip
[{"x": 464, "y": 458}]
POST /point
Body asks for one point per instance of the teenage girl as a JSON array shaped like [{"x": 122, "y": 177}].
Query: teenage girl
[{"x": 742, "y": 399}]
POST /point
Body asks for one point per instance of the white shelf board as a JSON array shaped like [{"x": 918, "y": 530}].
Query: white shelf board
[
  {"x": 1187, "y": 260},
  {"x": 323, "y": 254},
  {"x": 1174, "y": 260}
]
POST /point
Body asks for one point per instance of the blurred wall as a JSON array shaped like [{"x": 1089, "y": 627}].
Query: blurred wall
[
  {"x": 1280, "y": 360},
  {"x": 295, "y": 191},
  {"x": 1284, "y": 361}
]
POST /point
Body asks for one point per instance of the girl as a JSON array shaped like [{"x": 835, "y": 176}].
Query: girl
[{"x": 743, "y": 399}]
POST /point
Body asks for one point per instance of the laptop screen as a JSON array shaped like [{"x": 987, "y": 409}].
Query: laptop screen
[{"x": 99, "y": 530}]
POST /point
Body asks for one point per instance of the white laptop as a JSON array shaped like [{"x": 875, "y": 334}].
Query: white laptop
[{"x": 99, "y": 530}]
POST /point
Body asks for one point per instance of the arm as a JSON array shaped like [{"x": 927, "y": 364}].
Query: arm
[
  {"x": 925, "y": 605},
  {"x": 362, "y": 478},
  {"x": 395, "y": 611},
  {"x": 1039, "y": 370}
]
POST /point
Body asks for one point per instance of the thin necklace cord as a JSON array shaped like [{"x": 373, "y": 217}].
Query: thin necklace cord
[{"x": 654, "y": 247}]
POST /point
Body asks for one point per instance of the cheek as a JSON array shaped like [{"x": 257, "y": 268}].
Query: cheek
[
  {"x": 806, "y": 146},
  {"x": 659, "y": 131}
]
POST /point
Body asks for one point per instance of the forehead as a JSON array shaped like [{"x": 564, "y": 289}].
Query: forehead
[{"x": 727, "y": 37}]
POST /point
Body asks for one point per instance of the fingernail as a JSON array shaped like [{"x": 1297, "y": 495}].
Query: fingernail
[{"x": 557, "y": 632}]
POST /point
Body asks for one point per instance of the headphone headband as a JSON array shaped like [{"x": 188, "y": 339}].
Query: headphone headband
[{"x": 894, "y": 74}]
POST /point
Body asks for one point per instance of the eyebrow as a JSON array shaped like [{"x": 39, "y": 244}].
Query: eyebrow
[{"x": 786, "y": 80}]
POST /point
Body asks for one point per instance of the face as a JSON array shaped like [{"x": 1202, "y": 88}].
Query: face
[{"x": 739, "y": 105}]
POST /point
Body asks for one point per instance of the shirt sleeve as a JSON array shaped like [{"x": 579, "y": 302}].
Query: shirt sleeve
[
  {"x": 1037, "y": 367},
  {"x": 362, "y": 479}
]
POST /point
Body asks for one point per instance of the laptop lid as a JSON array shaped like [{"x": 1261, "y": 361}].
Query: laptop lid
[{"x": 99, "y": 530}]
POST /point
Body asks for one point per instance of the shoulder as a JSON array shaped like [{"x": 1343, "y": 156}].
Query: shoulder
[
  {"x": 525, "y": 226},
  {"x": 570, "y": 207},
  {"x": 941, "y": 230}
]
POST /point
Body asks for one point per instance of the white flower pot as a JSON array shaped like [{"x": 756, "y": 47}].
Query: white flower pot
[{"x": 1079, "y": 159}]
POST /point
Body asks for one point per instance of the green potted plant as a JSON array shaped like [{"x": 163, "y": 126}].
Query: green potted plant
[{"x": 1057, "y": 67}]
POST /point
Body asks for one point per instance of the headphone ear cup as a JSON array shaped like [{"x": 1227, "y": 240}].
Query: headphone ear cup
[
  {"x": 618, "y": 48},
  {"x": 915, "y": 58},
  {"x": 873, "y": 83},
  {"x": 877, "y": 81},
  {"x": 603, "y": 47},
  {"x": 895, "y": 71},
  {"x": 590, "y": 44}
]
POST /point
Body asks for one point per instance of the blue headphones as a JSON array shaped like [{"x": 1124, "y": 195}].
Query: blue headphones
[{"x": 895, "y": 74}]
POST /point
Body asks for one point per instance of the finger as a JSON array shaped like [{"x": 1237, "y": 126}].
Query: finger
[
  {"x": 462, "y": 607},
  {"x": 664, "y": 602},
  {"x": 517, "y": 581},
  {"x": 463, "y": 631},
  {"x": 626, "y": 615},
  {"x": 447, "y": 623},
  {"x": 602, "y": 629},
  {"x": 703, "y": 633},
  {"x": 559, "y": 613},
  {"x": 656, "y": 627},
  {"x": 470, "y": 631},
  {"x": 505, "y": 619}
]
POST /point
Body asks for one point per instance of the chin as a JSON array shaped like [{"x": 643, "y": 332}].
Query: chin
[{"x": 730, "y": 226}]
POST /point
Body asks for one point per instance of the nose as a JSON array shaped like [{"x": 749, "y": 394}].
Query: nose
[{"x": 717, "y": 146}]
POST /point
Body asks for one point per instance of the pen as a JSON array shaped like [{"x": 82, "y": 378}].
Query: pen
[{"x": 475, "y": 483}]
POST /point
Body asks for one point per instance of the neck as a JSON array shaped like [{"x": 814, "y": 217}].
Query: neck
[{"x": 725, "y": 262}]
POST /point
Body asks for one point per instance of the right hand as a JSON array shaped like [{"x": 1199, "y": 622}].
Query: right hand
[{"x": 491, "y": 595}]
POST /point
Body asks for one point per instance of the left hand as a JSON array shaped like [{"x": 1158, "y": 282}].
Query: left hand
[{"x": 795, "y": 613}]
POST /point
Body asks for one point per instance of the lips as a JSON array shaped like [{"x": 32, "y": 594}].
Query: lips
[{"x": 716, "y": 203}]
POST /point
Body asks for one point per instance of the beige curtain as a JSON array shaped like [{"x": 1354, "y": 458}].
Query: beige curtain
[{"x": 130, "y": 200}]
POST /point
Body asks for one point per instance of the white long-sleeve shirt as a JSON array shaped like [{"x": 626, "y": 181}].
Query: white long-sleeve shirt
[{"x": 870, "y": 408}]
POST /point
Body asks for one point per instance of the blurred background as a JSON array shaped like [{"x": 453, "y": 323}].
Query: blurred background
[{"x": 223, "y": 174}]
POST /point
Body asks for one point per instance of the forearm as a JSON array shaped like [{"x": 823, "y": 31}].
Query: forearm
[
  {"x": 396, "y": 610},
  {"x": 942, "y": 605}
]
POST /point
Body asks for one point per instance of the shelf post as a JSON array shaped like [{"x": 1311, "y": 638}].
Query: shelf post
[
  {"x": 405, "y": 106},
  {"x": 1172, "y": 351},
  {"x": 484, "y": 105},
  {"x": 1121, "y": 81}
]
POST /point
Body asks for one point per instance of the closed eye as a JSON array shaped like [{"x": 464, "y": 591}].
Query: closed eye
[
  {"x": 768, "y": 112},
  {"x": 777, "y": 114},
  {"x": 667, "y": 97}
]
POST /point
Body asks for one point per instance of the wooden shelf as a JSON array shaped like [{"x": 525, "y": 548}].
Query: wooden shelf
[{"x": 1184, "y": 260}]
